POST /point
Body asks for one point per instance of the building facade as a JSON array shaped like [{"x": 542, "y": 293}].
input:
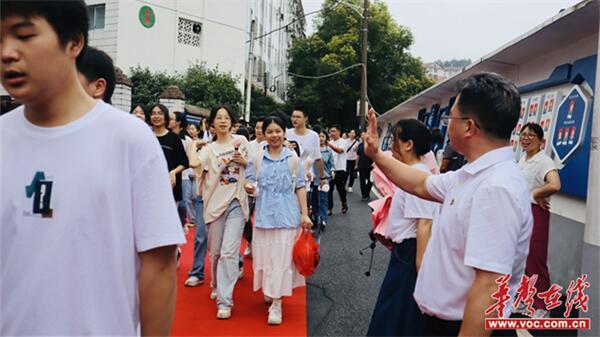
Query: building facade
[
  {"x": 276, "y": 24},
  {"x": 171, "y": 35}
]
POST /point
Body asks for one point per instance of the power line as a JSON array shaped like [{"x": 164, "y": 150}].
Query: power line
[
  {"x": 326, "y": 75},
  {"x": 295, "y": 20},
  {"x": 333, "y": 74}
]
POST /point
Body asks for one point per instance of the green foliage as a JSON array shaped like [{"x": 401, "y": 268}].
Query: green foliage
[
  {"x": 454, "y": 63},
  {"x": 393, "y": 74},
  {"x": 209, "y": 87},
  {"x": 201, "y": 86},
  {"x": 262, "y": 105},
  {"x": 148, "y": 85}
]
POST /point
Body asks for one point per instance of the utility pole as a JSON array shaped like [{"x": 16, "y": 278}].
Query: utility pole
[
  {"x": 363, "y": 59},
  {"x": 249, "y": 75}
]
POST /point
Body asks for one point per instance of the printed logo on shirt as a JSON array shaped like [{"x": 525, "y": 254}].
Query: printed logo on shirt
[
  {"x": 230, "y": 170},
  {"x": 40, "y": 190}
]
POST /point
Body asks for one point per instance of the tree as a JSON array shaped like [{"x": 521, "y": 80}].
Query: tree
[
  {"x": 201, "y": 86},
  {"x": 148, "y": 85},
  {"x": 454, "y": 63},
  {"x": 210, "y": 87},
  {"x": 393, "y": 74},
  {"x": 262, "y": 105}
]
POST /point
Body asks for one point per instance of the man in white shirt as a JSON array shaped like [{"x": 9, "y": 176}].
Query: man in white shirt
[
  {"x": 308, "y": 141},
  {"x": 485, "y": 225},
  {"x": 339, "y": 146},
  {"x": 87, "y": 218}
]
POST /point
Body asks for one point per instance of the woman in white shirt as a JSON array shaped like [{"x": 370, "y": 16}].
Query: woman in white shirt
[
  {"x": 223, "y": 163},
  {"x": 543, "y": 180},
  {"x": 396, "y": 312}
]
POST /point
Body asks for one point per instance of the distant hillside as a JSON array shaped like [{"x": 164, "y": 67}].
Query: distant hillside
[{"x": 454, "y": 63}]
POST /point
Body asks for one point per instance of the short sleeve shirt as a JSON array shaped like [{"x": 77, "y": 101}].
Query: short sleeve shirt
[
  {"x": 405, "y": 210},
  {"x": 223, "y": 178},
  {"x": 485, "y": 223},
  {"x": 535, "y": 170},
  {"x": 78, "y": 203},
  {"x": 339, "y": 159}
]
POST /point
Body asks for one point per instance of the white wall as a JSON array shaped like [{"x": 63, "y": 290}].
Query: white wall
[
  {"x": 222, "y": 40},
  {"x": 106, "y": 39}
]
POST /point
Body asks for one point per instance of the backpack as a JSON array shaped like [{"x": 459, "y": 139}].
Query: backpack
[{"x": 292, "y": 164}]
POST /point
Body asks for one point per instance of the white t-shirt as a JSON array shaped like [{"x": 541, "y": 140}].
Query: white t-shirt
[
  {"x": 485, "y": 223},
  {"x": 223, "y": 179},
  {"x": 309, "y": 143},
  {"x": 310, "y": 147},
  {"x": 78, "y": 203},
  {"x": 535, "y": 170},
  {"x": 351, "y": 152},
  {"x": 405, "y": 209},
  {"x": 339, "y": 159}
]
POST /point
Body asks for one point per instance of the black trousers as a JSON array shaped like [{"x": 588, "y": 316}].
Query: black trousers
[
  {"x": 339, "y": 183},
  {"x": 351, "y": 172},
  {"x": 365, "y": 182}
]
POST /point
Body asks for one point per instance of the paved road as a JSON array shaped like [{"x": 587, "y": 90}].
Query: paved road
[{"x": 340, "y": 297}]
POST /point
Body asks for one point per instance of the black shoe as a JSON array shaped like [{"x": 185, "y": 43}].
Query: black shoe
[{"x": 345, "y": 209}]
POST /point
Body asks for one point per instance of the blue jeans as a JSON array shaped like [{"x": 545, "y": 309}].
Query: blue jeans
[
  {"x": 319, "y": 203},
  {"x": 200, "y": 241},
  {"x": 188, "y": 197}
]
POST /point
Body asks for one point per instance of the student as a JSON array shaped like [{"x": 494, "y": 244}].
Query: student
[
  {"x": 280, "y": 210},
  {"x": 88, "y": 221},
  {"x": 223, "y": 163},
  {"x": 172, "y": 147},
  {"x": 321, "y": 194},
  {"x": 307, "y": 139},
  {"x": 351, "y": 157},
  {"x": 484, "y": 228},
  {"x": 196, "y": 274},
  {"x": 543, "y": 181},
  {"x": 139, "y": 111},
  {"x": 339, "y": 147},
  {"x": 364, "y": 165},
  {"x": 97, "y": 74},
  {"x": 396, "y": 313}
]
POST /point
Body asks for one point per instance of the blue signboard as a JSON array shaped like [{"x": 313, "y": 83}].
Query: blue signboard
[{"x": 569, "y": 130}]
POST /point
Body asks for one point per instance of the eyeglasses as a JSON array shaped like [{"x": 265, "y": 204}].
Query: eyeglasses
[
  {"x": 445, "y": 120},
  {"x": 528, "y": 135}
]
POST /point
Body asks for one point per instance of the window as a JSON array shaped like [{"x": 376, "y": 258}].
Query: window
[
  {"x": 96, "y": 14},
  {"x": 188, "y": 32}
]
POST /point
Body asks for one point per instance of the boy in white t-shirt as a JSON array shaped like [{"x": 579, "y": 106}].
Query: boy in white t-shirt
[
  {"x": 339, "y": 146},
  {"x": 88, "y": 222}
]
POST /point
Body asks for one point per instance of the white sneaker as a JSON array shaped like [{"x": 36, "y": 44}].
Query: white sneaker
[
  {"x": 350, "y": 189},
  {"x": 224, "y": 313},
  {"x": 275, "y": 313},
  {"x": 248, "y": 251},
  {"x": 193, "y": 281},
  {"x": 213, "y": 293},
  {"x": 241, "y": 273},
  {"x": 541, "y": 313}
]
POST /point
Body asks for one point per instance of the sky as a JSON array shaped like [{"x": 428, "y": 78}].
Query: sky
[{"x": 457, "y": 29}]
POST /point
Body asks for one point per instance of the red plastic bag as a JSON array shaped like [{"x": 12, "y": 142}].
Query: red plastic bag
[{"x": 306, "y": 254}]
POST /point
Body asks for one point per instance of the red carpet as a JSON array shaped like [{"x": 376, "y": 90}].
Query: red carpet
[{"x": 195, "y": 313}]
